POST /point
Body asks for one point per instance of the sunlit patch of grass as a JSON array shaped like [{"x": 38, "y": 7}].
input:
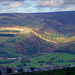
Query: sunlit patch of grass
[{"x": 71, "y": 39}]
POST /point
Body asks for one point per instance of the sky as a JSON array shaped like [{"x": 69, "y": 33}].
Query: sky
[{"x": 36, "y": 6}]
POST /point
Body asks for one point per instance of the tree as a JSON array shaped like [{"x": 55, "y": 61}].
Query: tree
[
  {"x": 32, "y": 68},
  {"x": 42, "y": 61},
  {"x": 20, "y": 69},
  {"x": 9, "y": 70},
  {"x": 0, "y": 71},
  {"x": 67, "y": 70}
]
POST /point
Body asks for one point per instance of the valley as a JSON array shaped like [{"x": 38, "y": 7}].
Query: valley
[
  {"x": 37, "y": 39},
  {"x": 11, "y": 47}
]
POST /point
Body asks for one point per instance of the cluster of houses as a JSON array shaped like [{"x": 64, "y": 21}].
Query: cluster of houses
[
  {"x": 18, "y": 69},
  {"x": 6, "y": 69}
]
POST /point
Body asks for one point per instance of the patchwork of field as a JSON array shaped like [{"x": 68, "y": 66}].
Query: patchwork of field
[
  {"x": 55, "y": 58},
  {"x": 50, "y": 58}
]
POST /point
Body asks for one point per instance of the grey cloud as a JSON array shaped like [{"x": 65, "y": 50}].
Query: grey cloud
[
  {"x": 38, "y": 5},
  {"x": 55, "y": 3},
  {"x": 6, "y": 4},
  {"x": 13, "y": 0},
  {"x": 49, "y": 3},
  {"x": 69, "y": 1},
  {"x": 15, "y": 3}
]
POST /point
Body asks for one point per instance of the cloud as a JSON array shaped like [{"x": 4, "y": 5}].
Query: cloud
[
  {"x": 69, "y": 1},
  {"x": 12, "y": 0},
  {"x": 6, "y": 4},
  {"x": 36, "y": 5},
  {"x": 55, "y": 3},
  {"x": 50, "y": 3},
  {"x": 15, "y": 4}
]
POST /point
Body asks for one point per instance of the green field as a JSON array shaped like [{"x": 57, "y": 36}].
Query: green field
[
  {"x": 58, "y": 58},
  {"x": 47, "y": 57}
]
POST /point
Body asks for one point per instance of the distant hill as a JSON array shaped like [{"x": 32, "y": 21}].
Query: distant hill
[{"x": 62, "y": 22}]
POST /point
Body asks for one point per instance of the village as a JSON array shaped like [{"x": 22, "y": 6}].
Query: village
[{"x": 4, "y": 70}]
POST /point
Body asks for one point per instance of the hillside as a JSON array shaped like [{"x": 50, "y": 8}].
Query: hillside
[
  {"x": 54, "y": 28},
  {"x": 71, "y": 39},
  {"x": 34, "y": 34},
  {"x": 23, "y": 40},
  {"x": 68, "y": 46}
]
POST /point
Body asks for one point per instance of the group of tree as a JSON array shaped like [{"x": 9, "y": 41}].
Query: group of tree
[{"x": 54, "y": 36}]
